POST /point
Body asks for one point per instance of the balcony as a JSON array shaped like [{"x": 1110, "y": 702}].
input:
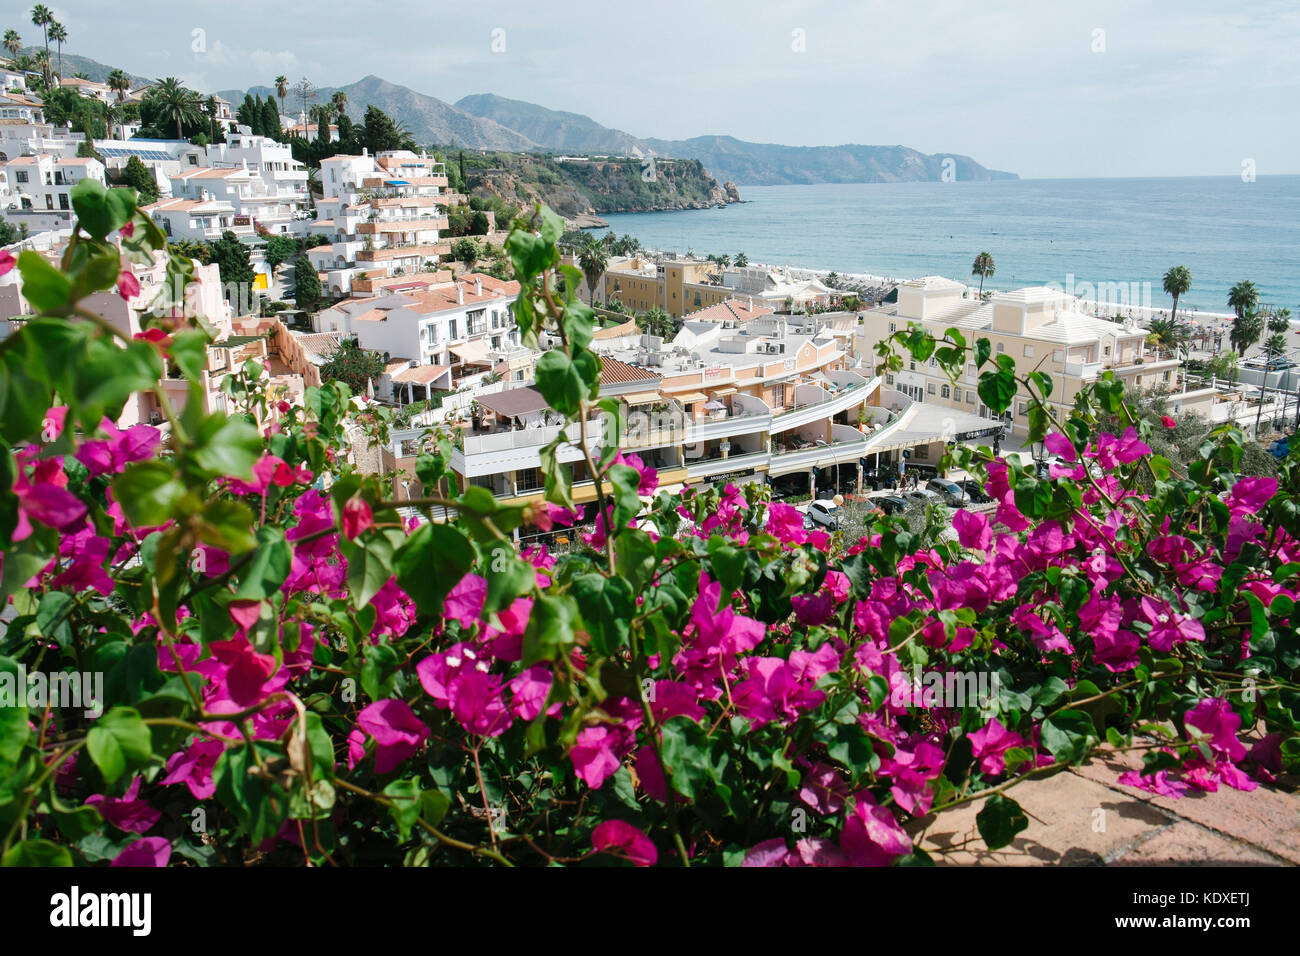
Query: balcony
[
  {"x": 401, "y": 225},
  {"x": 404, "y": 251},
  {"x": 1085, "y": 371},
  {"x": 814, "y": 401},
  {"x": 847, "y": 444}
]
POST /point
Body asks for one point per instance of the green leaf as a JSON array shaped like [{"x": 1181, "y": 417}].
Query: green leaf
[
  {"x": 227, "y": 446},
  {"x": 1000, "y": 820},
  {"x": 13, "y": 715},
  {"x": 41, "y": 853},
  {"x": 565, "y": 382},
  {"x": 430, "y": 563},
  {"x": 45, "y": 288},
  {"x": 406, "y": 804},
  {"x": 370, "y": 565},
  {"x": 225, "y": 524},
  {"x": 148, "y": 492},
  {"x": 1068, "y": 735},
  {"x": 270, "y": 565},
  {"x": 118, "y": 740},
  {"x": 686, "y": 754},
  {"x": 983, "y": 349},
  {"x": 259, "y": 805},
  {"x": 99, "y": 210},
  {"x": 997, "y": 389},
  {"x": 550, "y": 628}
]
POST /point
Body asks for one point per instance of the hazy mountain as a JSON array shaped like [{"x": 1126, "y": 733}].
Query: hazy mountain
[
  {"x": 429, "y": 119},
  {"x": 553, "y": 129},
  {"x": 728, "y": 158}
]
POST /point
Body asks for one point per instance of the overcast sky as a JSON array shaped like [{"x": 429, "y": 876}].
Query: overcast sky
[{"x": 1126, "y": 88}]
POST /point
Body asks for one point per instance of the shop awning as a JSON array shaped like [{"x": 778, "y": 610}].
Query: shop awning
[
  {"x": 719, "y": 392},
  {"x": 471, "y": 351},
  {"x": 396, "y": 182},
  {"x": 690, "y": 397},
  {"x": 642, "y": 398}
]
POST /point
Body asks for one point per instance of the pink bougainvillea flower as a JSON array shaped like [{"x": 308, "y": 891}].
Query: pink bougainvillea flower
[
  {"x": 1249, "y": 495},
  {"x": 112, "y": 454},
  {"x": 871, "y": 834},
  {"x": 1157, "y": 783},
  {"x": 625, "y": 841},
  {"x": 649, "y": 478},
  {"x": 193, "y": 767},
  {"x": 973, "y": 530},
  {"x": 267, "y": 471},
  {"x": 128, "y": 229},
  {"x": 669, "y": 699},
  {"x": 771, "y": 852},
  {"x": 126, "y": 812},
  {"x": 357, "y": 517},
  {"x": 824, "y": 789},
  {"x": 477, "y": 702},
  {"x": 650, "y": 774},
  {"x": 1058, "y": 444},
  {"x": 128, "y": 286},
  {"x": 43, "y": 497},
  {"x": 1111, "y": 452},
  {"x": 465, "y": 602},
  {"x": 785, "y": 523},
  {"x": 6, "y": 261},
  {"x": 528, "y": 692},
  {"x": 398, "y": 733},
  {"x": 147, "y": 851},
  {"x": 1168, "y": 422},
  {"x": 990, "y": 743},
  {"x": 593, "y": 755},
  {"x": 1214, "y": 716}
]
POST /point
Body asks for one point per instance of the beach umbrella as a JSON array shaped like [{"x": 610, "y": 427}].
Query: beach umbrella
[{"x": 714, "y": 405}]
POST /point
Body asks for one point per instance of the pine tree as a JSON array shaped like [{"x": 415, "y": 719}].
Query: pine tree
[{"x": 271, "y": 119}]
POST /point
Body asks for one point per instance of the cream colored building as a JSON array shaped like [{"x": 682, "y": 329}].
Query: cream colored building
[{"x": 1042, "y": 328}]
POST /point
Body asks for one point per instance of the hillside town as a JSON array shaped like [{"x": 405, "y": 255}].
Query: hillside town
[{"x": 726, "y": 371}]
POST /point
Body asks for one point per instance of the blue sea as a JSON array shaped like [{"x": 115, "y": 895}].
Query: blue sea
[{"x": 1039, "y": 231}]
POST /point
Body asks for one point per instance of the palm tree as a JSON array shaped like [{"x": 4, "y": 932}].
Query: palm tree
[
  {"x": 282, "y": 89},
  {"x": 313, "y": 181},
  {"x": 592, "y": 261},
  {"x": 742, "y": 260},
  {"x": 1177, "y": 281},
  {"x": 1246, "y": 330},
  {"x": 339, "y": 100},
  {"x": 1243, "y": 297},
  {"x": 13, "y": 42},
  {"x": 655, "y": 321},
  {"x": 120, "y": 83},
  {"x": 113, "y": 116},
  {"x": 177, "y": 104},
  {"x": 43, "y": 17},
  {"x": 983, "y": 268},
  {"x": 42, "y": 59},
  {"x": 1279, "y": 322},
  {"x": 1166, "y": 333},
  {"x": 59, "y": 34}
]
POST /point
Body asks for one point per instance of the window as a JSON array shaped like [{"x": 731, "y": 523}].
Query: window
[
  {"x": 889, "y": 380},
  {"x": 956, "y": 394},
  {"x": 1106, "y": 350},
  {"x": 1029, "y": 351},
  {"x": 194, "y": 160},
  {"x": 930, "y": 389},
  {"x": 451, "y": 329},
  {"x": 1023, "y": 407},
  {"x": 912, "y": 366},
  {"x": 970, "y": 398},
  {"x": 21, "y": 176},
  {"x": 944, "y": 392},
  {"x": 893, "y": 327},
  {"x": 63, "y": 204},
  {"x": 933, "y": 362},
  {"x": 1166, "y": 377},
  {"x": 1001, "y": 348}
]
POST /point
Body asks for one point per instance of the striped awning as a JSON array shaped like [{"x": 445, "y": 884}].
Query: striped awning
[
  {"x": 719, "y": 392},
  {"x": 690, "y": 397},
  {"x": 642, "y": 398}
]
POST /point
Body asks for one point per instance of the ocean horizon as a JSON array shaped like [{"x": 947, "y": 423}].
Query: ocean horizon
[{"x": 1111, "y": 234}]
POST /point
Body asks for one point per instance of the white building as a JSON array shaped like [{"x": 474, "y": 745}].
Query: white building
[
  {"x": 432, "y": 337},
  {"x": 44, "y": 183},
  {"x": 281, "y": 202}
]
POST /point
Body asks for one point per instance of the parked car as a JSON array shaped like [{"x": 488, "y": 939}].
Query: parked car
[
  {"x": 825, "y": 513},
  {"x": 924, "y": 495},
  {"x": 952, "y": 493},
  {"x": 975, "y": 493},
  {"x": 890, "y": 504}
]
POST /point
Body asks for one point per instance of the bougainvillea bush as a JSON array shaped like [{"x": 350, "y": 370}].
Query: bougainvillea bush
[{"x": 293, "y": 674}]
